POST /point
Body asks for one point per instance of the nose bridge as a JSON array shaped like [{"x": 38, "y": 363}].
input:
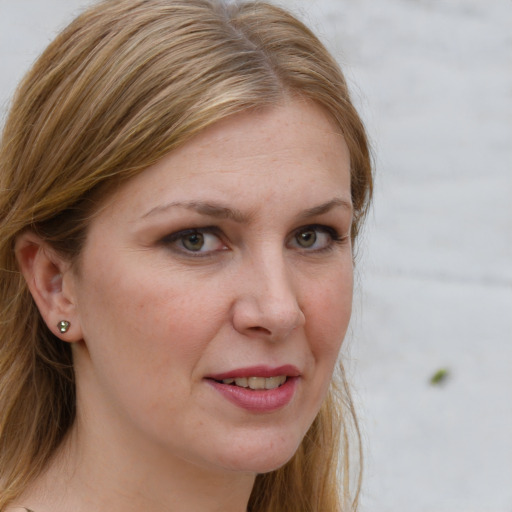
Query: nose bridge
[{"x": 269, "y": 303}]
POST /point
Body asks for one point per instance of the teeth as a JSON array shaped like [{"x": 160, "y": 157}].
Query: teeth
[
  {"x": 275, "y": 382},
  {"x": 257, "y": 382},
  {"x": 242, "y": 382}
]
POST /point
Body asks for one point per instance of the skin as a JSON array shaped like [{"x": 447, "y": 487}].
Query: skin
[{"x": 270, "y": 284}]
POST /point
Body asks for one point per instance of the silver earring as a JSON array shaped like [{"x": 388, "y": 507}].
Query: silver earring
[{"x": 63, "y": 326}]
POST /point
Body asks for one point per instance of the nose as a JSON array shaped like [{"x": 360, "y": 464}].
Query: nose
[{"x": 267, "y": 303}]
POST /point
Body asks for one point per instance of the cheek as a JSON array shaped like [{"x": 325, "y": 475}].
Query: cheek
[
  {"x": 328, "y": 310},
  {"x": 327, "y": 317},
  {"x": 138, "y": 324},
  {"x": 145, "y": 302},
  {"x": 145, "y": 338}
]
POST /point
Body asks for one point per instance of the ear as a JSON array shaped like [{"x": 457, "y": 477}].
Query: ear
[{"x": 50, "y": 280}]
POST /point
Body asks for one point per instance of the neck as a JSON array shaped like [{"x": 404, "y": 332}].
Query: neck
[{"x": 97, "y": 473}]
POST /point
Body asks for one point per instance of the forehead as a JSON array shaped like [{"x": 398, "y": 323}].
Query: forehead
[
  {"x": 298, "y": 124},
  {"x": 294, "y": 148}
]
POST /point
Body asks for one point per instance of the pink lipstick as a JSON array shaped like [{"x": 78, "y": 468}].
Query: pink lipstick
[{"x": 258, "y": 388}]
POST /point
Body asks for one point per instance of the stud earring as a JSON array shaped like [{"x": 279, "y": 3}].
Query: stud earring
[{"x": 63, "y": 326}]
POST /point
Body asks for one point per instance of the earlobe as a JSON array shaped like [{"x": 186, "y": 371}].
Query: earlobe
[{"x": 45, "y": 273}]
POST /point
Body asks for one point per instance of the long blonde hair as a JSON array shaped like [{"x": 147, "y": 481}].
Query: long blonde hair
[{"x": 126, "y": 83}]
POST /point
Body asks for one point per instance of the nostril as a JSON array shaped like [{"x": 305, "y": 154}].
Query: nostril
[{"x": 261, "y": 330}]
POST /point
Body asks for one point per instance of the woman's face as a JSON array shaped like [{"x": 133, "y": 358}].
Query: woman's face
[{"x": 227, "y": 264}]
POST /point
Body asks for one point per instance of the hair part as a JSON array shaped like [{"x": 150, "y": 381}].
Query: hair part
[{"x": 123, "y": 85}]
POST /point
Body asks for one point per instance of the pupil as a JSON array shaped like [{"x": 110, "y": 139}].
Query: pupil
[
  {"x": 193, "y": 242},
  {"x": 307, "y": 238}
]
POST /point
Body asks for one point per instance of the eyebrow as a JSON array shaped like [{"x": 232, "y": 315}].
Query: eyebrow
[
  {"x": 326, "y": 207},
  {"x": 220, "y": 211},
  {"x": 209, "y": 209}
]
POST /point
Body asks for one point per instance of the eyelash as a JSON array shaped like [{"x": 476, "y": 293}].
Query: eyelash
[{"x": 174, "y": 238}]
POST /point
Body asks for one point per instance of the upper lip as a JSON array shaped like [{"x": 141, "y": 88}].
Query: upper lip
[{"x": 257, "y": 371}]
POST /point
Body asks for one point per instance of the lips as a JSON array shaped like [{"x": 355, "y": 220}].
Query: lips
[{"x": 258, "y": 388}]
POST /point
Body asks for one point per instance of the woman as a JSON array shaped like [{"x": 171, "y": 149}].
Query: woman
[{"x": 182, "y": 185}]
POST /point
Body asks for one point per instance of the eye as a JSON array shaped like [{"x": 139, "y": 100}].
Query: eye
[
  {"x": 315, "y": 238},
  {"x": 195, "y": 241},
  {"x": 306, "y": 238}
]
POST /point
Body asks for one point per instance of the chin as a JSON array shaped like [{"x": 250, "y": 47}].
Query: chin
[
  {"x": 261, "y": 465},
  {"x": 262, "y": 457}
]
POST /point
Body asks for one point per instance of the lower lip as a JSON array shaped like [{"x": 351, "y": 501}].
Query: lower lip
[{"x": 258, "y": 400}]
